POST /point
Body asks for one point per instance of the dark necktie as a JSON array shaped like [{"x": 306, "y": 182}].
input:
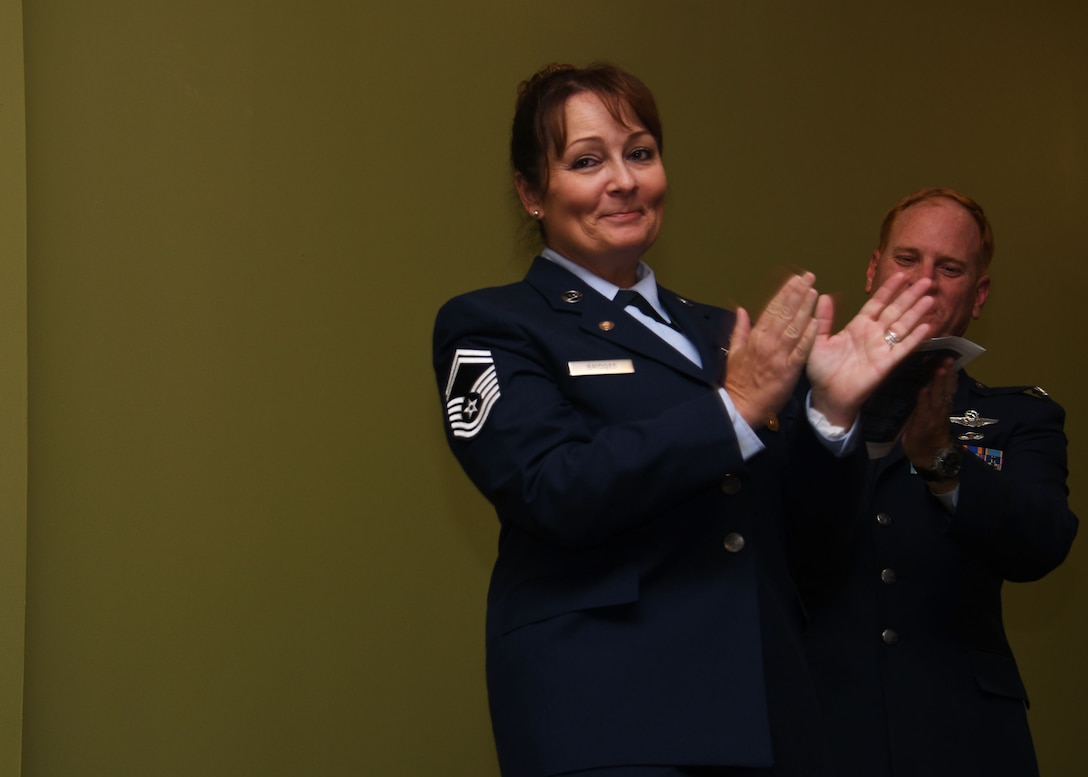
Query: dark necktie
[{"x": 625, "y": 297}]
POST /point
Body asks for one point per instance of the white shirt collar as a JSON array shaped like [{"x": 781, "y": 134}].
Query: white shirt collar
[{"x": 646, "y": 285}]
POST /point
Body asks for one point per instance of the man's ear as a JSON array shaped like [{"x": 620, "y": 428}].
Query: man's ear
[
  {"x": 982, "y": 293},
  {"x": 871, "y": 271}
]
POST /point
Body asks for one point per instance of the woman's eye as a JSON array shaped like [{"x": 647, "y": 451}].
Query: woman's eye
[
  {"x": 642, "y": 154},
  {"x": 582, "y": 163}
]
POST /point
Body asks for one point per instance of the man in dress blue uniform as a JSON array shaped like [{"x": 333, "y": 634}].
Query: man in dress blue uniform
[{"x": 906, "y": 639}]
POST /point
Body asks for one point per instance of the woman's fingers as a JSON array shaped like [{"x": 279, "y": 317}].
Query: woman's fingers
[{"x": 788, "y": 313}]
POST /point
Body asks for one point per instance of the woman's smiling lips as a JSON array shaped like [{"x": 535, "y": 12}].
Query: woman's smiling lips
[{"x": 623, "y": 215}]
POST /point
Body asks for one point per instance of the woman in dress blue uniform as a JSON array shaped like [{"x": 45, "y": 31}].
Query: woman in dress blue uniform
[{"x": 652, "y": 461}]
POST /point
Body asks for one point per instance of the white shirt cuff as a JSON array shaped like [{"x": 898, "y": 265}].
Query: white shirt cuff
[
  {"x": 749, "y": 443},
  {"x": 836, "y": 439}
]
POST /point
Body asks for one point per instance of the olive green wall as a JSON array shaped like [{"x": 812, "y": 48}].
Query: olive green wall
[
  {"x": 13, "y": 409},
  {"x": 249, "y": 551}
]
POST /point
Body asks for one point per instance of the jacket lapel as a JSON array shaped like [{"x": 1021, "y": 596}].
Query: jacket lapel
[
  {"x": 706, "y": 327},
  {"x": 603, "y": 319}
]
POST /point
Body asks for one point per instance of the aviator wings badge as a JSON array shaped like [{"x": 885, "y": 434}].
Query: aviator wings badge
[{"x": 972, "y": 420}]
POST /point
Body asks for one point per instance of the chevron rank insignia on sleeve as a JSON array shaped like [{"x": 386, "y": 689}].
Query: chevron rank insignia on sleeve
[{"x": 471, "y": 391}]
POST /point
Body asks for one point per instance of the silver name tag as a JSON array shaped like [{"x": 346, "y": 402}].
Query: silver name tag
[{"x": 602, "y": 367}]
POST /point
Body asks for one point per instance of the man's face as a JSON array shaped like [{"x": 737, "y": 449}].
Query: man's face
[{"x": 937, "y": 239}]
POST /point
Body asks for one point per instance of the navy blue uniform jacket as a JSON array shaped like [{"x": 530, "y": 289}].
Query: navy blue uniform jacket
[
  {"x": 906, "y": 635},
  {"x": 641, "y": 581}
]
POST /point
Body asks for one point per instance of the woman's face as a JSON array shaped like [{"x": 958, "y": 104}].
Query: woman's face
[{"x": 606, "y": 190}]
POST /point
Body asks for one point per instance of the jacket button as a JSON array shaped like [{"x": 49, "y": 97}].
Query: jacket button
[
  {"x": 887, "y": 576},
  {"x": 884, "y": 519},
  {"x": 734, "y": 542},
  {"x": 889, "y": 636},
  {"x": 730, "y": 484}
]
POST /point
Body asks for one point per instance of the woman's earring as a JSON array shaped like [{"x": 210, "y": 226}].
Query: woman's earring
[{"x": 536, "y": 214}]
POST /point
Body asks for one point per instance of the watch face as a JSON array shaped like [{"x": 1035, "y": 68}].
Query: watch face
[{"x": 947, "y": 463}]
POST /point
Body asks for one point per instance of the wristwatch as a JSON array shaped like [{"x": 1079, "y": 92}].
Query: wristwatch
[{"x": 946, "y": 465}]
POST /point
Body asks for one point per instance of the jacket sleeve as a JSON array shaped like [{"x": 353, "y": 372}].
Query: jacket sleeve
[
  {"x": 824, "y": 504},
  {"x": 575, "y": 470},
  {"x": 1017, "y": 519}
]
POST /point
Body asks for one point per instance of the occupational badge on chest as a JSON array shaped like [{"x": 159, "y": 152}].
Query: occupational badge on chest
[{"x": 974, "y": 421}]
